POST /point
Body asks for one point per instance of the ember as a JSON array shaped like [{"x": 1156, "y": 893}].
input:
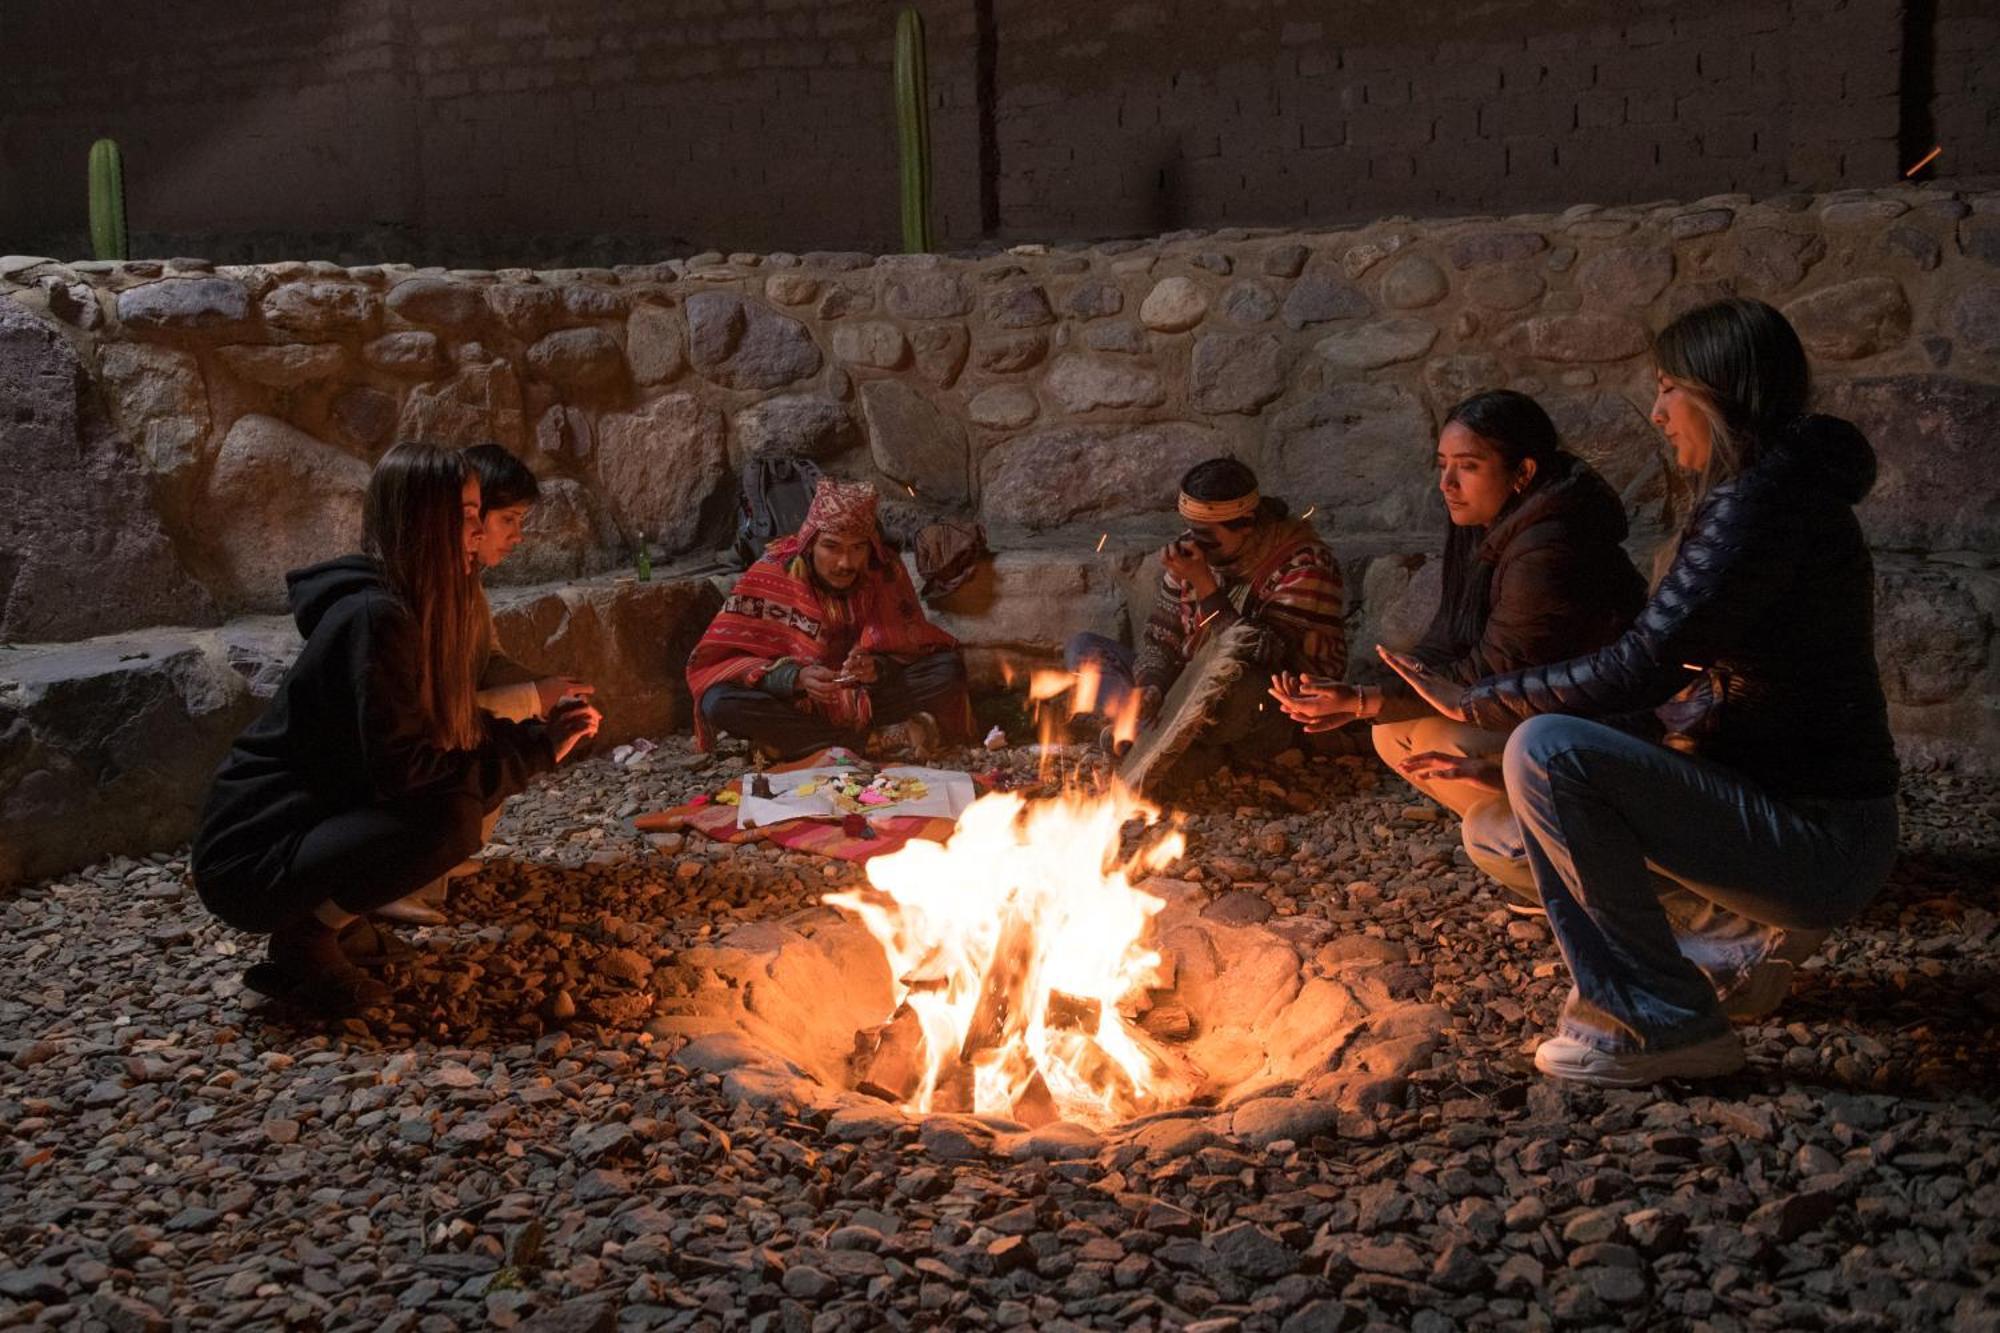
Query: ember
[{"x": 1018, "y": 952}]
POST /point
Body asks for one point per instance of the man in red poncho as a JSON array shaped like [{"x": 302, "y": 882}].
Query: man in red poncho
[{"x": 822, "y": 640}]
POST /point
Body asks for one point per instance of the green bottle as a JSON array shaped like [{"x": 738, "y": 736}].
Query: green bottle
[{"x": 645, "y": 561}]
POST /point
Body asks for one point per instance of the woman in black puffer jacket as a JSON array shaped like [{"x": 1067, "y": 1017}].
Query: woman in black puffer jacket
[{"x": 1774, "y": 802}]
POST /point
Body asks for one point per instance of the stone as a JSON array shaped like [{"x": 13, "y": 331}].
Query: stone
[
  {"x": 875, "y": 343},
  {"x": 1496, "y": 247},
  {"x": 1249, "y": 303},
  {"x": 1625, "y": 278},
  {"x": 1365, "y": 256},
  {"x": 591, "y": 302},
  {"x": 1268, "y": 1120},
  {"x": 72, "y": 302},
  {"x": 1852, "y": 319},
  {"x": 915, "y": 443},
  {"x": 1003, "y": 407},
  {"x": 795, "y": 425},
  {"x": 567, "y": 535},
  {"x": 481, "y": 402},
  {"x": 1085, "y": 384},
  {"x": 1018, "y": 306},
  {"x": 1930, "y": 637},
  {"x": 1121, "y": 336},
  {"x": 277, "y": 500},
  {"x": 1286, "y": 260},
  {"x": 1700, "y": 222},
  {"x": 316, "y": 309},
  {"x": 159, "y": 402},
  {"x": 1769, "y": 262},
  {"x": 1915, "y": 244},
  {"x": 1414, "y": 282},
  {"x": 1610, "y": 433},
  {"x": 1504, "y": 287},
  {"x": 364, "y": 417},
  {"x": 1931, "y": 434},
  {"x": 413, "y": 352},
  {"x": 284, "y": 365},
  {"x": 924, "y": 290},
  {"x": 1374, "y": 345},
  {"x": 1975, "y": 317},
  {"x": 940, "y": 351},
  {"x": 659, "y": 466},
  {"x": 524, "y": 310},
  {"x": 112, "y": 741},
  {"x": 1024, "y": 604},
  {"x": 1356, "y": 449},
  {"x": 745, "y": 345},
  {"x": 1068, "y": 473},
  {"x": 1174, "y": 305},
  {"x": 1450, "y": 380},
  {"x": 1236, "y": 372},
  {"x": 1572, "y": 338},
  {"x": 1094, "y": 298},
  {"x": 791, "y": 288},
  {"x": 587, "y": 358},
  {"x": 176, "y": 304},
  {"x": 1250, "y": 1251},
  {"x": 1320, "y": 299},
  {"x": 655, "y": 346},
  {"x": 438, "y": 303}
]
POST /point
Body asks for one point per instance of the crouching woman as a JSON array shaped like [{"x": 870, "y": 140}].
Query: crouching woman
[
  {"x": 1773, "y": 805},
  {"x": 370, "y": 770}
]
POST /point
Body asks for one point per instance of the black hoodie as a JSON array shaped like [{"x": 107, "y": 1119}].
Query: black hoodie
[
  {"x": 344, "y": 731},
  {"x": 1770, "y": 607},
  {"x": 1548, "y": 579}
]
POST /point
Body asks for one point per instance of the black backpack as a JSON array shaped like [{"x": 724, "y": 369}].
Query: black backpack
[{"x": 776, "y": 494}]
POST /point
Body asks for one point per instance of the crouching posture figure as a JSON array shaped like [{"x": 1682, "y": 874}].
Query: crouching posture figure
[
  {"x": 822, "y": 639},
  {"x": 1683, "y": 882},
  {"x": 1244, "y": 560},
  {"x": 370, "y": 771}
]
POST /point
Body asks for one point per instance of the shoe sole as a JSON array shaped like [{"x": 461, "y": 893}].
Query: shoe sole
[{"x": 1645, "y": 1070}]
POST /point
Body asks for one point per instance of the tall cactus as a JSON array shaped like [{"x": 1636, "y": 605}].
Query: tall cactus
[
  {"x": 913, "y": 131},
  {"x": 108, "y": 238}
]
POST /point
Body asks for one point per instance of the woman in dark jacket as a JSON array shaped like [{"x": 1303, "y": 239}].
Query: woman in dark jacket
[
  {"x": 368, "y": 773},
  {"x": 1533, "y": 572},
  {"x": 1774, "y": 801}
]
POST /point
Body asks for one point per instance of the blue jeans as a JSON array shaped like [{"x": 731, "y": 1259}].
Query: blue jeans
[{"x": 1604, "y": 813}]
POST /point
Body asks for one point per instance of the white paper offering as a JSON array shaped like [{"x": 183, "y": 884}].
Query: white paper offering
[{"x": 840, "y": 790}]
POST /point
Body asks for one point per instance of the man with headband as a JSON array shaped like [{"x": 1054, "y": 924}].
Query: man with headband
[
  {"x": 822, "y": 639},
  {"x": 1243, "y": 558}
]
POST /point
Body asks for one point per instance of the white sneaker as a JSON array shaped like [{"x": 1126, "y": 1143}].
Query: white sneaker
[{"x": 1566, "y": 1057}]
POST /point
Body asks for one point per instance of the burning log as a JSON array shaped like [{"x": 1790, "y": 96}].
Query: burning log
[
  {"x": 1001, "y": 1012},
  {"x": 888, "y": 1061},
  {"x": 1073, "y": 1013},
  {"x": 1036, "y": 1106},
  {"x": 1169, "y": 1022},
  {"x": 954, "y": 1090}
]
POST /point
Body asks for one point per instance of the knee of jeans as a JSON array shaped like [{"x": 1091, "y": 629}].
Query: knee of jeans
[
  {"x": 711, "y": 706},
  {"x": 1534, "y": 745}
]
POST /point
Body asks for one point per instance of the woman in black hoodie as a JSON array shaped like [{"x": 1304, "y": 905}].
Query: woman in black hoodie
[
  {"x": 1533, "y": 572},
  {"x": 368, "y": 773},
  {"x": 1774, "y": 801}
]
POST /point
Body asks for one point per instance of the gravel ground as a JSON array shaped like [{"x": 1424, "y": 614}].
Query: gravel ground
[{"x": 514, "y": 1148}]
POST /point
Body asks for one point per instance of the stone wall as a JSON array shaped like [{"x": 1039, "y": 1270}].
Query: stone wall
[
  {"x": 181, "y": 434},
  {"x": 607, "y": 131}
]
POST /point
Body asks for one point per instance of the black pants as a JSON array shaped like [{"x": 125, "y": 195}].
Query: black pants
[
  {"x": 933, "y": 684},
  {"x": 358, "y": 860}
]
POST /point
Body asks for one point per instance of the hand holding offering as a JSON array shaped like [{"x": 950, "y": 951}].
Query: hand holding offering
[{"x": 571, "y": 721}]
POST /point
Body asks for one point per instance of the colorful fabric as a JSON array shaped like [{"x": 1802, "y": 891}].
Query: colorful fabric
[
  {"x": 778, "y": 611},
  {"x": 1219, "y": 511},
  {"x": 821, "y": 837},
  {"x": 1286, "y": 581}
]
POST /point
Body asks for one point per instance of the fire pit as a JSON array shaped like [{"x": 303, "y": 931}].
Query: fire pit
[{"x": 1030, "y": 988}]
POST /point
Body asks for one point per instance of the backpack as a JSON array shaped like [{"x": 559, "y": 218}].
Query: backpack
[{"x": 776, "y": 494}]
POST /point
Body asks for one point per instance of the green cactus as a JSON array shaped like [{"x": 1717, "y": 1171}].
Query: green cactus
[
  {"x": 913, "y": 131},
  {"x": 108, "y": 239}
]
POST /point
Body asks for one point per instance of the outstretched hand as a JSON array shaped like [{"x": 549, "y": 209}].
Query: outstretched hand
[
  {"x": 572, "y": 722},
  {"x": 1437, "y": 766},
  {"x": 1316, "y": 703},
  {"x": 1446, "y": 696}
]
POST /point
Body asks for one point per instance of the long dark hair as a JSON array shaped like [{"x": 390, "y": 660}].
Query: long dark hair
[
  {"x": 1742, "y": 365},
  {"x": 1519, "y": 430},
  {"x": 504, "y": 480},
  {"x": 413, "y": 521}
]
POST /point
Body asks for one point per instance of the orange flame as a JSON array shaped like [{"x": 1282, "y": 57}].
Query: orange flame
[{"x": 1014, "y": 945}]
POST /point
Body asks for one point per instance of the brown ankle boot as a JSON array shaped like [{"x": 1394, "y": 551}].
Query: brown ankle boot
[{"x": 306, "y": 959}]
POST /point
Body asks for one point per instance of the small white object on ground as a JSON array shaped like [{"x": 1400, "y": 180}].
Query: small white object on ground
[{"x": 996, "y": 739}]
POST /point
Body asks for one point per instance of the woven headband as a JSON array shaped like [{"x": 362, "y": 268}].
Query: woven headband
[{"x": 1218, "y": 511}]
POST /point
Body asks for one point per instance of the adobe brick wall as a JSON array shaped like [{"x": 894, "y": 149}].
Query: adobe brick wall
[{"x": 491, "y": 132}]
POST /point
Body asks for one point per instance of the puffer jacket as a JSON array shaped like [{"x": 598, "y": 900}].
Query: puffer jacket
[{"x": 1768, "y": 611}]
